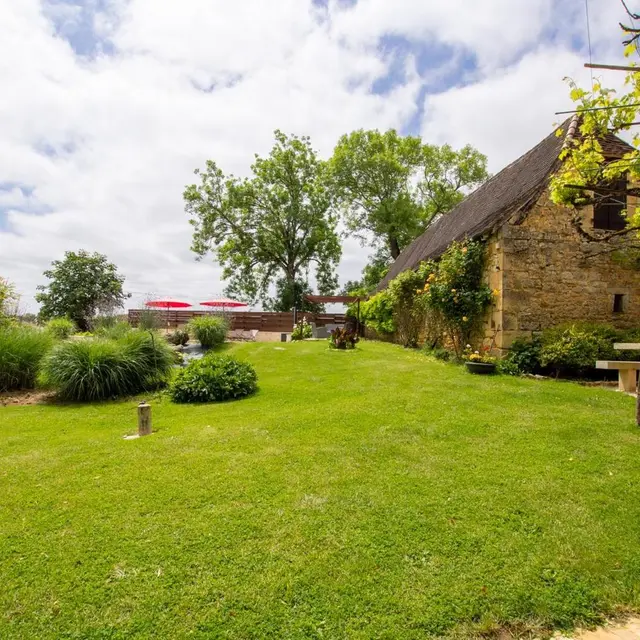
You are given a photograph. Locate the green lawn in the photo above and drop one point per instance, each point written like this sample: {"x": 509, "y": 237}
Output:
{"x": 367, "y": 494}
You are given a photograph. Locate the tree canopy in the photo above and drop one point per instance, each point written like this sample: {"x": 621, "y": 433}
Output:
{"x": 82, "y": 285}
{"x": 292, "y": 294}
{"x": 390, "y": 187}
{"x": 276, "y": 224}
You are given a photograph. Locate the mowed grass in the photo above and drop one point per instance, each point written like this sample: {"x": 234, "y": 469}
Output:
{"x": 367, "y": 494}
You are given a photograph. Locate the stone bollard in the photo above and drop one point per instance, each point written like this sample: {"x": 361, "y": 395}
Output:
{"x": 144, "y": 419}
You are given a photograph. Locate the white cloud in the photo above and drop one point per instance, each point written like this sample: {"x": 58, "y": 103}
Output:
{"x": 108, "y": 142}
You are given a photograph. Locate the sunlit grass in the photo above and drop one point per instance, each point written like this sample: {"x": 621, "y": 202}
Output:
{"x": 367, "y": 494}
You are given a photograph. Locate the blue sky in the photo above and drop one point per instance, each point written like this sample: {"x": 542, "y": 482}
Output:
{"x": 113, "y": 103}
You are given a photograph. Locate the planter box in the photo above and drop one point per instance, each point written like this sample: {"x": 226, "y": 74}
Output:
{"x": 480, "y": 367}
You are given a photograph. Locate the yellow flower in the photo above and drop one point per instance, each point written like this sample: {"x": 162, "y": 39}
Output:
{"x": 453, "y": 290}
{"x": 464, "y": 318}
{"x": 432, "y": 276}
{"x": 496, "y": 292}
{"x": 418, "y": 290}
{"x": 464, "y": 249}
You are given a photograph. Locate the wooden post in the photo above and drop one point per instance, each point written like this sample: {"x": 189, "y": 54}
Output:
{"x": 144, "y": 419}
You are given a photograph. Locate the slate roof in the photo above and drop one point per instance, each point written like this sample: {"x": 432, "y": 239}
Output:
{"x": 514, "y": 188}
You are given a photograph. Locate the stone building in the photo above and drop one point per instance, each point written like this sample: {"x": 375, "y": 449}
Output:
{"x": 546, "y": 272}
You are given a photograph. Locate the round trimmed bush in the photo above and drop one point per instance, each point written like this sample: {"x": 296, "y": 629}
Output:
{"x": 21, "y": 352}
{"x": 97, "y": 369}
{"x": 209, "y": 331}
{"x": 61, "y": 328}
{"x": 214, "y": 379}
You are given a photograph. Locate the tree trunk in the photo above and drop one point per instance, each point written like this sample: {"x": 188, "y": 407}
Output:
{"x": 393, "y": 247}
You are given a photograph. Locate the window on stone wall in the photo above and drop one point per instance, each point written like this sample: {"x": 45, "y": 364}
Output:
{"x": 619, "y": 302}
{"x": 609, "y": 205}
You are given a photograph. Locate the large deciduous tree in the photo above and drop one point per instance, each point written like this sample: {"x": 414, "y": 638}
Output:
{"x": 276, "y": 224}
{"x": 290, "y": 295}
{"x": 82, "y": 285}
{"x": 390, "y": 187}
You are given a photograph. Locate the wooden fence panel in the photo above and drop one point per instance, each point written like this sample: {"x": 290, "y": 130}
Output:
{"x": 243, "y": 320}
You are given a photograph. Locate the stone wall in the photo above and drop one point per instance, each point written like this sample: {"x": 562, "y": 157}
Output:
{"x": 545, "y": 276}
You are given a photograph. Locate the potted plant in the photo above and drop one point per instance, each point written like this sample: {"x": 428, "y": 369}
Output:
{"x": 343, "y": 338}
{"x": 479, "y": 361}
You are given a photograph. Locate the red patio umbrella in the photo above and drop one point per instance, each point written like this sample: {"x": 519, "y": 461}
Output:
{"x": 223, "y": 303}
{"x": 167, "y": 303}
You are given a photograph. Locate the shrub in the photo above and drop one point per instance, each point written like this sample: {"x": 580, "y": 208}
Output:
{"x": 576, "y": 348}
{"x": 455, "y": 291}
{"x": 209, "y": 331}
{"x": 523, "y": 357}
{"x": 179, "y": 338}
{"x": 377, "y": 313}
{"x": 21, "y": 352}
{"x": 302, "y": 330}
{"x": 60, "y": 328}
{"x": 508, "y": 368}
{"x": 214, "y": 379}
{"x": 343, "y": 339}
{"x": 97, "y": 369}
{"x": 409, "y": 309}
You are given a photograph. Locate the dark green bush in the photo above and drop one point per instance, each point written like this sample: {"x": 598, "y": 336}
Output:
{"x": 21, "y": 352}
{"x": 523, "y": 357}
{"x": 209, "y": 331}
{"x": 214, "y": 379}
{"x": 179, "y": 338}
{"x": 60, "y": 328}
{"x": 97, "y": 369}
{"x": 568, "y": 349}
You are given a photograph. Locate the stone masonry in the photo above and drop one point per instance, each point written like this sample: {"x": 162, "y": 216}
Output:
{"x": 545, "y": 276}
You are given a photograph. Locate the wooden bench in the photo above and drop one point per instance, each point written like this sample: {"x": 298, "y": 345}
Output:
{"x": 627, "y": 372}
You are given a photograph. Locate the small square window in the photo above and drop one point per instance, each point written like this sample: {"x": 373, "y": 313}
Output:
{"x": 619, "y": 302}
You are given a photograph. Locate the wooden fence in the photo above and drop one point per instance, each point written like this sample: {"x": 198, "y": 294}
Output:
{"x": 244, "y": 320}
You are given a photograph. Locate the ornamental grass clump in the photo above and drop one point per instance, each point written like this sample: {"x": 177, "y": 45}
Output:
{"x": 60, "y": 328}
{"x": 21, "y": 352}
{"x": 98, "y": 369}
{"x": 214, "y": 379}
{"x": 209, "y": 331}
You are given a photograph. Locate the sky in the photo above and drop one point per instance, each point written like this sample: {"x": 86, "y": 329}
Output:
{"x": 108, "y": 106}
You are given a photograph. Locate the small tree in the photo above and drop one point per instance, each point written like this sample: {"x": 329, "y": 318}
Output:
{"x": 82, "y": 285}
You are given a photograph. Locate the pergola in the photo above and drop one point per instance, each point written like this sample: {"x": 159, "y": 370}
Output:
{"x": 338, "y": 300}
